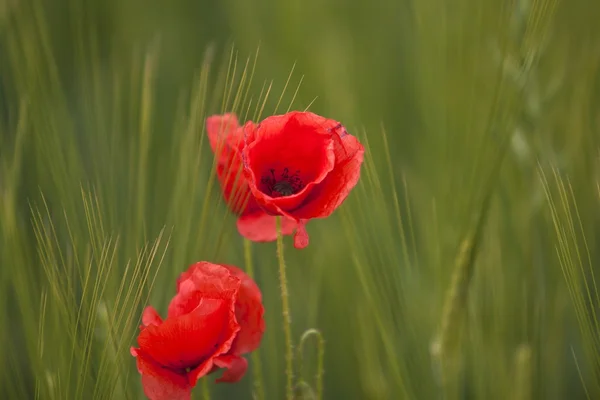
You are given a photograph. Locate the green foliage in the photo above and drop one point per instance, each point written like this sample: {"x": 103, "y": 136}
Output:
{"x": 463, "y": 265}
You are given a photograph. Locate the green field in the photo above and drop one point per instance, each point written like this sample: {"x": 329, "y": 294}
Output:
{"x": 464, "y": 265}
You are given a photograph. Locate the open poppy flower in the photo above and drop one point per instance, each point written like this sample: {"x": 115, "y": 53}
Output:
{"x": 215, "y": 317}
{"x": 226, "y": 140}
{"x": 301, "y": 166}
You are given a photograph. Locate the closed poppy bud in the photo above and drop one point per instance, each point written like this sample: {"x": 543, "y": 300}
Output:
{"x": 301, "y": 166}
{"x": 215, "y": 317}
{"x": 226, "y": 139}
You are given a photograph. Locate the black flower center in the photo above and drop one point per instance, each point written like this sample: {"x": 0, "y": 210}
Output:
{"x": 281, "y": 183}
{"x": 283, "y": 187}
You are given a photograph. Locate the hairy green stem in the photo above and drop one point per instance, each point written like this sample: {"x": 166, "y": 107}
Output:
{"x": 256, "y": 363}
{"x": 287, "y": 321}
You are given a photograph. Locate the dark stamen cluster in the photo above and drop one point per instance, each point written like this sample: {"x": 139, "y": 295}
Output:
{"x": 282, "y": 185}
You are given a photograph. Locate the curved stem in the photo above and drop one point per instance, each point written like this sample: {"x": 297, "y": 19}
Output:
{"x": 287, "y": 321}
{"x": 256, "y": 362}
{"x": 320, "y": 358}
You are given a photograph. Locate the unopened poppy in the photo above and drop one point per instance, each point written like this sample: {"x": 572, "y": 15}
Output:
{"x": 215, "y": 317}
{"x": 226, "y": 138}
{"x": 301, "y": 166}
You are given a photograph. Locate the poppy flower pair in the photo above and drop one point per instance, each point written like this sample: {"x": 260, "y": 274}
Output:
{"x": 298, "y": 166}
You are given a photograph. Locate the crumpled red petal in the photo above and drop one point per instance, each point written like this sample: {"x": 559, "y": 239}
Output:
{"x": 202, "y": 279}
{"x": 236, "y": 368}
{"x": 189, "y": 339}
{"x": 249, "y": 313}
{"x": 161, "y": 383}
{"x": 259, "y": 226}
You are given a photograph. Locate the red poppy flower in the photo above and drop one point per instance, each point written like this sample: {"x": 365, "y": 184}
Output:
{"x": 215, "y": 317}
{"x": 226, "y": 140}
{"x": 301, "y": 166}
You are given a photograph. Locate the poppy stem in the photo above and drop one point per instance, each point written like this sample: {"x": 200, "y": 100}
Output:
{"x": 256, "y": 363}
{"x": 205, "y": 389}
{"x": 287, "y": 321}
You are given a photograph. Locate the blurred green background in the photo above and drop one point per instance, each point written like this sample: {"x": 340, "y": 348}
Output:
{"x": 482, "y": 124}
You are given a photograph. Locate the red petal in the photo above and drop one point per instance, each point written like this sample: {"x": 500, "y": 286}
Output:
{"x": 202, "y": 279}
{"x": 249, "y": 313}
{"x": 228, "y": 139}
{"x": 161, "y": 383}
{"x": 301, "y": 236}
{"x": 236, "y": 192}
{"x": 236, "y": 368}
{"x": 244, "y": 135}
{"x": 190, "y": 339}
{"x": 334, "y": 189}
{"x": 150, "y": 317}
{"x": 259, "y": 226}
{"x": 219, "y": 128}
{"x": 209, "y": 365}
{"x": 294, "y": 141}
